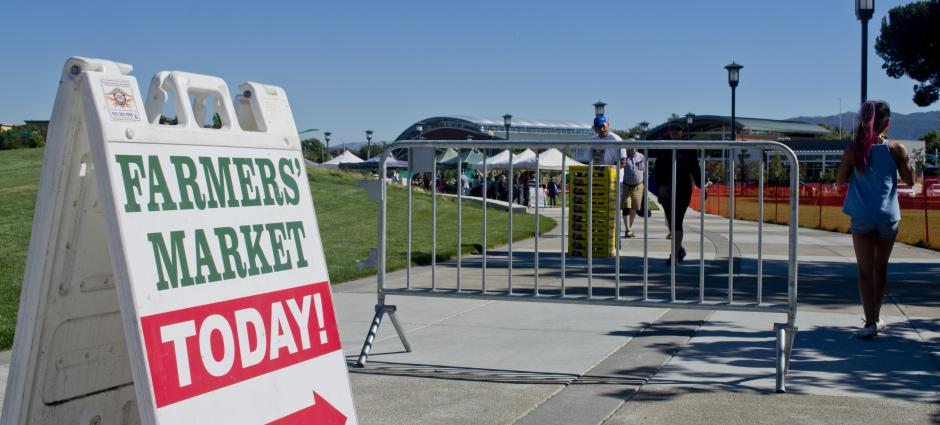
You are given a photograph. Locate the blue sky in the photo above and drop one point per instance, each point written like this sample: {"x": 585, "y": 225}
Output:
{"x": 350, "y": 66}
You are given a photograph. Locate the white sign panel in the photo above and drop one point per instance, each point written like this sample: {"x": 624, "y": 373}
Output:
{"x": 215, "y": 260}
{"x": 228, "y": 280}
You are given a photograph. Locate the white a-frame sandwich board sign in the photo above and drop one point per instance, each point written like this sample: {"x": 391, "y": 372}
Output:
{"x": 176, "y": 273}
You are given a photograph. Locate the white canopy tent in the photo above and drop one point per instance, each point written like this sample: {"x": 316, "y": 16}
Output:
{"x": 346, "y": 157}
{"x": 500, "y": 161}
{"x": 548, "y": 160}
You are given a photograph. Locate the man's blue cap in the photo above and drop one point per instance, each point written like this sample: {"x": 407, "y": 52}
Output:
{"x": 600, "y": 120}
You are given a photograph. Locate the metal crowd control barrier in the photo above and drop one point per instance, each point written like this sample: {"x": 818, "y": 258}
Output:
{"x": 562, "y": 293}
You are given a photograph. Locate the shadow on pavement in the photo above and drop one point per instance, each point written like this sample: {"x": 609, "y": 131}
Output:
{"x": 892, "y": 365}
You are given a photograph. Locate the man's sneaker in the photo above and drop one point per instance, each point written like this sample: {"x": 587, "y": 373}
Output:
{"x": 630, "y": 235}
{"x": 881, "y": 325}
{"x": 681, "y": 257}
{"x": 867, "y": 331}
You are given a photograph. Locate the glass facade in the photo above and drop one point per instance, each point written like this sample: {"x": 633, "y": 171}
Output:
{"x": 497, "y": 131}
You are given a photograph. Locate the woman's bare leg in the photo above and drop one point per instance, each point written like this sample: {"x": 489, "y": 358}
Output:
{"x": 865, "y": 257}
{"x": 883, "y": 247}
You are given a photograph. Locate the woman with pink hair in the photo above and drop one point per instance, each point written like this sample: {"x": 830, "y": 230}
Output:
{"x": 870, "y": 164}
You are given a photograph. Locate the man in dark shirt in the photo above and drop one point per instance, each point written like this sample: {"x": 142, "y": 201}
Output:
{"x": 687, "y": 172}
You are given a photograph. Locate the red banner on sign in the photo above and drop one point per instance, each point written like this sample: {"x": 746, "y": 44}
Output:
{"x": 201, "y": 349}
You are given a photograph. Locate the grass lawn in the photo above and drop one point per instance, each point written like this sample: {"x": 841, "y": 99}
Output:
{"x": 348, "y": 225}
{"x": 19, "y": 181}
{"x": 347, "y": 222}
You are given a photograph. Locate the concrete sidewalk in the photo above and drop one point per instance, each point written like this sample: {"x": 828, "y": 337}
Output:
{"x": 500, "y": 362}
{"x": 482, "y": 361}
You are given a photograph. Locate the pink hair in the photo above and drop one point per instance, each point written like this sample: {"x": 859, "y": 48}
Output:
{"x": 865, "y": 135}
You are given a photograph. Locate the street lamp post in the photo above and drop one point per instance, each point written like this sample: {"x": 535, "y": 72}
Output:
{"x": 644, "y": 127}
{"x": 326, "y": 137}
{"x": 599, "y": 108}
{"x": 507, "y": 122}
{"x": 689, "y": 119}
{"x": 368, "y": 144}
{"x": 734, "y": 71}
{"x": 864, "y": 10}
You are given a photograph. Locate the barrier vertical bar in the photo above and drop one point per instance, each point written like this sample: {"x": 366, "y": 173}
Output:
{"x": 512, "y": 185}
{"x": 383, "y": 219}
{"x": 564, "y": 199}
{"x": 538, "y": 192}
{"x": 701, "y": 230}
{"x": 459, "y": 187}
{"x": 673, "y": 254}
{"x": 646, "y": 223}
{"x": 819, "y": 203}
{"x": 794, "y": 235}
{"x": 760, "y": 229}
{"x": 619, "y": 214}
{"x": 590, "y": 223}
{"x": 483, "y": 188}
{"x": 411, "y": 181}
{"x": 923, "y": 188}
{"x": 434, "y": 223}
{"x": 731, "y": 228}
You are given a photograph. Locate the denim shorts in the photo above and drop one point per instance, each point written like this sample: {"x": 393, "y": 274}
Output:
{"x": 885, "y": 230}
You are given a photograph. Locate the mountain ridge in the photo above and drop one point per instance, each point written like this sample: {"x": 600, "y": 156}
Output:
{"x": 903, "y": 126}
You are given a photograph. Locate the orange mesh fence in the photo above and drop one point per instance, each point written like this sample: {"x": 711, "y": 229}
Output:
{"x": 821, "y": 207}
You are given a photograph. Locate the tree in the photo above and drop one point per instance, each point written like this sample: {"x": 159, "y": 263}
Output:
{"x": 775, "y": 170}
{"x": 311, "y": 148}
{"x": 368, "y": 151}
{"x": 932, "y": 139}
{"x": 910, "y": 45}
{"x": 715, "y": 171}
{"x": 835, "y": 133}
{"x": 23, "y": 136}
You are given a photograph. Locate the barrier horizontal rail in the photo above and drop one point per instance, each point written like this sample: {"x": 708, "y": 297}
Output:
{"x": 680, "y": 294}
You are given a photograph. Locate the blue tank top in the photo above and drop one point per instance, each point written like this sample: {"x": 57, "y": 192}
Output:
{"x": 873, "y": 195}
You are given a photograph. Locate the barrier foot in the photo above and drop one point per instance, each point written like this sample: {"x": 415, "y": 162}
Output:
{"x": 784, "y": 349}
{"x": 390, "y": 309}
{"x": 381, "y": 310}
{"x": 791, "y": 336}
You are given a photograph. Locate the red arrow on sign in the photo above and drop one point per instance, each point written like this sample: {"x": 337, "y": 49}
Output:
{"x": 321, "y": 412}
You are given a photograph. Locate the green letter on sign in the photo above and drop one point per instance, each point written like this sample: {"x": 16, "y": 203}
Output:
{"x": 173, "y": 264}
{"x": 131, "y": 180}
{"x": 158, "y": 185}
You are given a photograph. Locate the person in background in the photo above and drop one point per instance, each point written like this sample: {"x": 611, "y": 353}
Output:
{"x": 610, "y": 156}
{"x": 687, "y": 172}
{"x": 552, "y": 192}
{"x": 631, "y": 179}
{"x": 464, "y": 183}
{"x": 502, "y": 188}
{"x": 870, "y": 165}
{"x": 524, "y": 183}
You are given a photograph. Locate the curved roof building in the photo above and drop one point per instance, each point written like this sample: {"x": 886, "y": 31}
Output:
{"x": 718, "y": 127}
{"x": 458, "y": 127}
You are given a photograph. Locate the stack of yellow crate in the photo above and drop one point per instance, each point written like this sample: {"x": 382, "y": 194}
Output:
{"x": 603, "y": 211}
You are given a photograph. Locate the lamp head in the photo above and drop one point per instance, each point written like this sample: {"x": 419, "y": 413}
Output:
{"x": 734, "y": 74}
